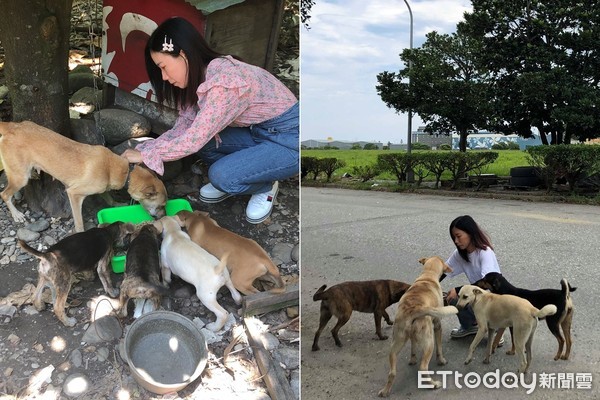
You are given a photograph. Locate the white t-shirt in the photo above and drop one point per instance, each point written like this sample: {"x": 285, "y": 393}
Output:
{"x": 481, "y": 262}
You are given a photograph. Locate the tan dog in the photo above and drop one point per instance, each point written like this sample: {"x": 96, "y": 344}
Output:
{"x": 83, "y": 169}
{"x": 366, "y": 296}
{"x": 195, "y": 265}
{"x": 247, "y": 261}
{"x": 81, "y": 252}
{"x": 496, "y": 311}
{"x": 417, "y": 320}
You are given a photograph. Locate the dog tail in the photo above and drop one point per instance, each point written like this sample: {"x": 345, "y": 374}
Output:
{"x": 319, "y": 294}
{"x": 549, "y": 309}
{"x": 436, "y": 312}
{"x": 566, "y": 288}
{"x": 274, "y": 276}
{"x": 34, "y": 252}
{"x": 222, "y": 264}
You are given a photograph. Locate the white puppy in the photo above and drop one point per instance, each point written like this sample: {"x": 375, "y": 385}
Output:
{"x": 195, "y": 265}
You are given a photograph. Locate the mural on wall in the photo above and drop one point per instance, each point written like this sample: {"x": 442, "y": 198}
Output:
{"x": 487, "y": 140}
{"x": 127, "y": 26}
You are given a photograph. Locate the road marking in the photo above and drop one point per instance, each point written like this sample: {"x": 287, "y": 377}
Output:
{"x": 555, "y": 219}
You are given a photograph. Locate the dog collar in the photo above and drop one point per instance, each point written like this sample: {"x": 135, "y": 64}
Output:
{"x": 131, "y": 167}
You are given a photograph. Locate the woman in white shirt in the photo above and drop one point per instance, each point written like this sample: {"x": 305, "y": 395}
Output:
{"x": 474, "y": 256}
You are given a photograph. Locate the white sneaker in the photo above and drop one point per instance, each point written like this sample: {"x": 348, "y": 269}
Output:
{"x": 260, "y": 205}
{"x": 210, "y": 194}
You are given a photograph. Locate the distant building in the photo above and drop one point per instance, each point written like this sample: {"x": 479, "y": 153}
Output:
{"x": 483, "y": 140}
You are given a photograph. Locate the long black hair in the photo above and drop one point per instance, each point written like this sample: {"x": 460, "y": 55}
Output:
{"x": 184, "y": 37}
{"x": 479, "y": 238}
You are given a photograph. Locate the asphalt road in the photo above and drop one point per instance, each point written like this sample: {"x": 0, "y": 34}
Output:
{"x": 358, "y": 235}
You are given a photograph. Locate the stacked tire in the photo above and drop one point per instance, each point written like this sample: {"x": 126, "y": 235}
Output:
{"x": 525, "y": 176}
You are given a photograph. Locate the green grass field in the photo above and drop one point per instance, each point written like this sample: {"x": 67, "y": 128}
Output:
{"x": 501, "y": 167}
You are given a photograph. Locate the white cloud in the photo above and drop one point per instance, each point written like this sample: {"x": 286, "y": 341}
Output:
{"x": 348, "y": 44}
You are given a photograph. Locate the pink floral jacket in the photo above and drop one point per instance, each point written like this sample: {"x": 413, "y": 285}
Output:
{"x": 234, "y": 94}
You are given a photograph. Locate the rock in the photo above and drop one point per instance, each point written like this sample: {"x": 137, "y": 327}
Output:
{"x": 102, "y": 354}
{"x": 104, "y": 329}
{"x": 288, "y": 356}
{"x": 79, "y": 80}
{"x": 84, "y": 131}
{"x": 292, "y": 312}
{"x": 7, "y": 310}
{"x": 296, "y": 253}
{"x": 87, "y": 95}
{"x": 117, "y": 126}
{"x": 76, "y": 358}
{"x": 76, "y": 385}
{"x": 295, "y": 382}
{"x": 38, "y": 226}
{"x": 282, "y": 253}
{"x": 26, "y": 235}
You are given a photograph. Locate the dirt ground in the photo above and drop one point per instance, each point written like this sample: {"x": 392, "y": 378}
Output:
{"x": 34, "y": 343}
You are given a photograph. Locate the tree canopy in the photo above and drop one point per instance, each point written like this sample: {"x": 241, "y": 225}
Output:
{"x": 510, "y": 67}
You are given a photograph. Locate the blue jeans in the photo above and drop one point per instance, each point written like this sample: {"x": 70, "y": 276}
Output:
{"x": 249, "y": 160}
{"x": 465, "y": 315}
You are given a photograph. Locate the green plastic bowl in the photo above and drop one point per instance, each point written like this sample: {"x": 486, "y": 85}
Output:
{"x": 135, "y": 214}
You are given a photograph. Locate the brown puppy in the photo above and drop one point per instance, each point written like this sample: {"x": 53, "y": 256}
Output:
{"x": 81, "y": 252}
{"x": 367, "y": 296}
{"x": 247, "y": 261}
{"x": 83, "y": 169}
{"x": 417, "y": 320}
{"x": 142, "y": 269}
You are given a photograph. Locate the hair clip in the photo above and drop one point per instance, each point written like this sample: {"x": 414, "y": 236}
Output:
{"x": 168, "y": 46}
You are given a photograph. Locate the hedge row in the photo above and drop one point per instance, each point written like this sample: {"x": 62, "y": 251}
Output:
{"x": 423, "y": 164}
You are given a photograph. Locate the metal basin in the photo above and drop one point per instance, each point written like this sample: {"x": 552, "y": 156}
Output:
{"x": 165, "y": 351}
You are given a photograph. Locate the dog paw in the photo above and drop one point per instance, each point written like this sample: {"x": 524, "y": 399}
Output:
{"x": 316, "y": 348}
{"x": 486, "y": 360}
{"x": 442, "y": 361}
{"x": 436, "y": 384}
{"x": 383, "y": 337}
{"x": 468, "y": 360}
{"x": 510, "y": 352}
{"x": 383, "y": 393}
{"x": 413, "y": 360}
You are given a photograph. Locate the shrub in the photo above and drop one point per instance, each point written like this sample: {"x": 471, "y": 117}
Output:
{"x": 445, "y": 146}
{"x": 572, "y": 162}
{"x": 309, "y": 165}
{"x": 396, "y": 163}
{"x": 329, "y": 165}
{"x": 366, "y": 172}
{"x": 419, "y": 146}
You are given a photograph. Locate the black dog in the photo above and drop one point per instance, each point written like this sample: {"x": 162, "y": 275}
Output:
{"x": 142, "y": 269}
{"x": 81, "y": 252}
{"x": 495, "y": 282}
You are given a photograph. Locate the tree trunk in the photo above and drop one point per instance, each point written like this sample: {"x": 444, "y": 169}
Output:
{"x": 462, "y": 143}
{"x": 543, "y": 137}
{"x": 35, "y": 37}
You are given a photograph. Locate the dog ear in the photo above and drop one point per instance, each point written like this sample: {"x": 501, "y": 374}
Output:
{"x": 447, "y": 268}
{"x": 477, "y": 291}
{"x": 158, "y": 225}
{"x": 423, "y": 260}
{"x": 203, "y": 213}
{"x": 180, "y": 221}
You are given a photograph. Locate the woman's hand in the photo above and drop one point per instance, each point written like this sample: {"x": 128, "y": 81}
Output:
{"x": 133, "y": 156}
{"x": 452, "y": 296}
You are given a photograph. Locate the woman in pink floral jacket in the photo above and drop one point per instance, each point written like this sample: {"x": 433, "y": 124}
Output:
{"x": 241, "y": 120}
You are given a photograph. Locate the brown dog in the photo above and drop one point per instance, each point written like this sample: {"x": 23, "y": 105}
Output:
{"x": 83, "y": 169}
{"x": 142, "y": 269}
{"x": 367, "y": 296}
{"x": 81, "y": 252}
{"x": 247, "y": 261}
{"x": 417, "y": 320}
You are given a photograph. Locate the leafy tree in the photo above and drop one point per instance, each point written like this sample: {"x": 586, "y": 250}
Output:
{"x": 305, "y": 8}
{"x": 445, "y": 89}
{"x": 370, "y": 146}
{"x": 542, "y": 60}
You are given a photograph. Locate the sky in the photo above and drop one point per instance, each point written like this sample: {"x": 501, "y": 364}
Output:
{"x": 349, "y": 42}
